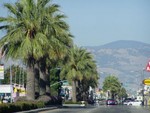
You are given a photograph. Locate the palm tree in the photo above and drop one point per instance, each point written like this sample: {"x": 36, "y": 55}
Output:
{"x": 30, "y": 32}
{"x": 57, "y": 31}
{"x": 24, "y": 38}
{"x": 78, "y": 66}
{"x": 89, "y": 73}
{"x": 112, "y": 84}
{"x": 90, "y": 76}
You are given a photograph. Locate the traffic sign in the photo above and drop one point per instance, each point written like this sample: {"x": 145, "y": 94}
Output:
{"x": 146, "y": 82}
{"x": 148, "y": 67}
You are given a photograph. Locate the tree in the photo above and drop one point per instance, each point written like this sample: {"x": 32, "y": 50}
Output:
{"x": 55, "y": 81}
{"x": 122, "y": 93}
{"x": 112, "y": 84}
{"x": 57, "y": 31}
{"x": 90, "y": 77}
{"x": 78, "y": 66}
{"x": 32, "y": 27}
{"x": 24, "y": 37}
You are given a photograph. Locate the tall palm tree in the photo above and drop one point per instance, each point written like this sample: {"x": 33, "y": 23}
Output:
{"x": 57, "y": 31}
{"x": 90, "y": 76}
{"x": 24, "y": 38}
{"x": 30, "y": 32}
{"x": 78, "y": 66}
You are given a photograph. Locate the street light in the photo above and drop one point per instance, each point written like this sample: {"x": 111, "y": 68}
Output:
{"x": 61, "y": 81}
{"x": 143, "y": 87}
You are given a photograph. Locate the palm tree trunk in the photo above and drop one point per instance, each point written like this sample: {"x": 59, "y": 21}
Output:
{"x": 43, "y": 77}
{"x": 37, "y": 82}
{"x": 47, "y": 82}
{"x": 74, "y": 99}
{"x": 42, "y": 83}
{"x": 30, "y": 83}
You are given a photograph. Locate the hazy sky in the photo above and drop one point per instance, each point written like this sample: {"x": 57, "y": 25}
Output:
{"x": 97, "y": 22}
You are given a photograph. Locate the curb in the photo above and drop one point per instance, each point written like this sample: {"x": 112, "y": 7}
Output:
{"x": 73, "y": 105}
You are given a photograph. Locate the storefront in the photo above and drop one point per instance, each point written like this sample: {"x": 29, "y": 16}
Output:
{"x": 5, "y": 93}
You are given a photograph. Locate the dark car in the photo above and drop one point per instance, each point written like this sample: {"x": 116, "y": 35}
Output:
{"x": 111, "y": 102}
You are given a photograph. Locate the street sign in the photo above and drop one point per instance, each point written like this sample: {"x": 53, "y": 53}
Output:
{"x": 146, "y": 81}
{"x": 1, "y": 71}
{"x": 148, "y": 67}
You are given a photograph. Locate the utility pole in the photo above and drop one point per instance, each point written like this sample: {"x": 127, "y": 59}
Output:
{"x": 11, "y": 88}
{"x": 143, "y": 87}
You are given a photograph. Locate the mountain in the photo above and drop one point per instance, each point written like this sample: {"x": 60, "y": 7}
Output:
{"x": 124, "y": 59}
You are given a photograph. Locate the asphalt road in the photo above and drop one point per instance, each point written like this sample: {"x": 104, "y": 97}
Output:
{"x": 101, "y": 109}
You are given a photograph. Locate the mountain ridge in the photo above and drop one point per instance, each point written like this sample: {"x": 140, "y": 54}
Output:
{"x": 122, "y": 58}
{"x": 122, "y": 44}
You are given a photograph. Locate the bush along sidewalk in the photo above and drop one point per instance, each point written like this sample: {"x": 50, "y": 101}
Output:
{"x": 20, "y": 106}
{"x": 25, "y": 105}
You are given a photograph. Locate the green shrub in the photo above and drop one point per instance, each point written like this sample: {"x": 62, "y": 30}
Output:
{"x": 40, "y": 104}
{"x": 15, "y": 107}
{"x": 4, "y": 108}
{"x": 20, "y": 106}
{"x": 25, "y": 106}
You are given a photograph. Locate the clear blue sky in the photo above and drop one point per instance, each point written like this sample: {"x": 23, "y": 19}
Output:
{"x": 97, "y": 22}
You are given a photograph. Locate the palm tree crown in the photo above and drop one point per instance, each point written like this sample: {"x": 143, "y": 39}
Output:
{"x": 35, "y": 30}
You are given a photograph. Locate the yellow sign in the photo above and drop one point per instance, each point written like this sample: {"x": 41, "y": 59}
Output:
{"x": 146, "y": 81}
{"x": 1, "y": 71}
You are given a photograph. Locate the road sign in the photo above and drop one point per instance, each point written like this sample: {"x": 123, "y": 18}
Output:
{"x": 148, "y": 67}
{"x": 146, "y": 81}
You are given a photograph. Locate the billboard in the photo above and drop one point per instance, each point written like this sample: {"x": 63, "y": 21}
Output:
{"x": 5, "y": 88}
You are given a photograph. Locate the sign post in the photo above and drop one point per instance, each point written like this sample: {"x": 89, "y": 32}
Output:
{"x": 146, "y": 81}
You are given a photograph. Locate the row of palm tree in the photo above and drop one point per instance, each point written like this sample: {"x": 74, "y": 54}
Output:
{"x": 37, "y": 34}
{"x": 80, "y": 66}
{"x": 112, "y": 84}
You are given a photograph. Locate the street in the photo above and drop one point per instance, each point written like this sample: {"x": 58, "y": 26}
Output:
{"x": 102, "y": 109}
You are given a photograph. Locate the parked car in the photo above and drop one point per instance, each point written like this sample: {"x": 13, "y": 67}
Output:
{"x": 135, "y": 103}
{"x": 5, "y": 101}
{"x": 111, "y": 102}
{"x": 125, "y": 102}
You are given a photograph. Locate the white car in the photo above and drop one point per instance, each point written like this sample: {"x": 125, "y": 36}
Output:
{"x": 135, "y": 103}
{"x": 126, "y": 102}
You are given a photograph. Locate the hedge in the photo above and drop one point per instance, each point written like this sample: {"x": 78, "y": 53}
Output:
{"x": 20, "y": 106}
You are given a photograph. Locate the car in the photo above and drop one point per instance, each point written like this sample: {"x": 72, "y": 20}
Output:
{"x": 125, "y": 102}
{"x": 111, "y": 102}
{"x": 5, "y": 101}
{"x": 135, "y": 103}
